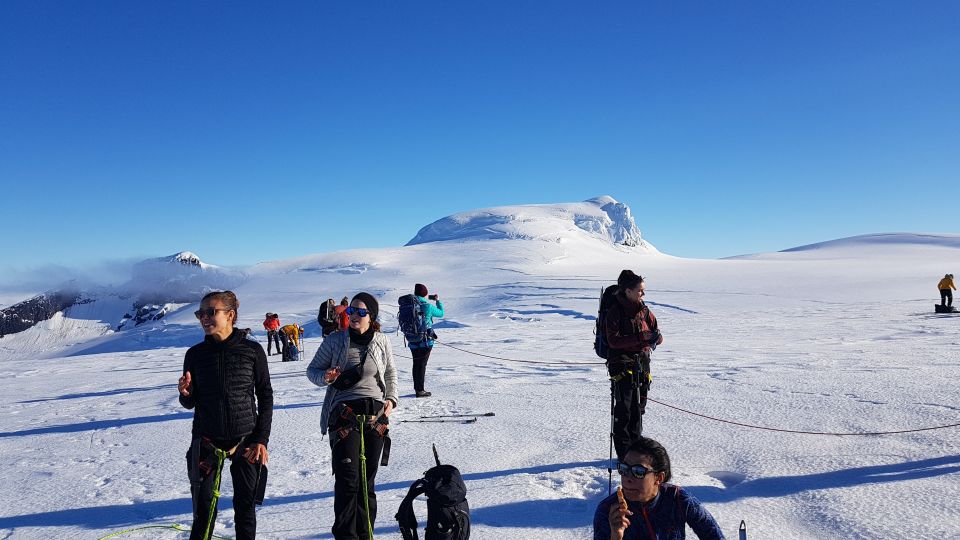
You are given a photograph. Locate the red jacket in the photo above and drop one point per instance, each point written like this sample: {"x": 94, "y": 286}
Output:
{"x": 630, "y": 327}
{"x": 271, "y": 323}
{"x": 342, "y": 318}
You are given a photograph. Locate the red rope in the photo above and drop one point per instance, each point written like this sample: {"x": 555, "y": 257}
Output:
{"x": 708, "y": 417}
{"x": 800, "y": 431}
{"x": 558, "y": 363}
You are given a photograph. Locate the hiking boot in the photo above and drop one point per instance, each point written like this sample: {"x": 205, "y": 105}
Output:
{"x": 423, "y": 393}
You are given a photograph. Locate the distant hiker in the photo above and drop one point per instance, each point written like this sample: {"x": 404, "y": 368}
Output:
{"x": 272, "y": 325}
{"x": 416, "y": 322}
{"x": 226, "y": 380}
{"x": 652, "y": 508}
{"x": 946, "y": 295}
{"x": 632, "y": 334}
{"x": 246, "y": 333}
{"x": 327, "y": 317}
{"x": 290, "y": 335}
{"x": 343, "y": 320}
{"x": 293, "y": 333}
{"x": 356, "y": 367}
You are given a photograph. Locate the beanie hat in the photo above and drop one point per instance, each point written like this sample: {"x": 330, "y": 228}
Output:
{"x": 628, "y": 280}
{"x": 420, "y": 289}
{"x": 372, "y": 305}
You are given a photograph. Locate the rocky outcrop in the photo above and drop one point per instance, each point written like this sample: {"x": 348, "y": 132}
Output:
{"x": 23, "y": 315}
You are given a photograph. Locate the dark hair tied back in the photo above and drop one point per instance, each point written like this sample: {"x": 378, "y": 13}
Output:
{"x": 628, "y": 280}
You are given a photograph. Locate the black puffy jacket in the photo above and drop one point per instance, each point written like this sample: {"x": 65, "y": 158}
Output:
{"x": 230, "y": 389}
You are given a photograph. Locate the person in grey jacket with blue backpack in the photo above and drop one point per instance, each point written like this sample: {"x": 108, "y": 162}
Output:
{"x": 356, "y": 367}
{"x": 421, "y": 350}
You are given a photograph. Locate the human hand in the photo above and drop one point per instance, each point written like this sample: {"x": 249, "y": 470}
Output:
{"x": 184, "y": 384}
{"x": 331, "y": 375}
{"x": 388, "y": 408}
{"x": 648, "y": 351}
{"x": 256, "y": 453}
{"x": 618, "y": 520}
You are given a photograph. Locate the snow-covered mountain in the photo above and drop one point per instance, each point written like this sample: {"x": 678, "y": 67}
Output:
{"x": 601, "y": 218}
{"x": 154, "y": 286}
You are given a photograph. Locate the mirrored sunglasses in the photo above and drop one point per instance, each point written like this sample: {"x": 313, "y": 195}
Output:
{"x": 358, "y": 310}
{"x": 638, "y": 471}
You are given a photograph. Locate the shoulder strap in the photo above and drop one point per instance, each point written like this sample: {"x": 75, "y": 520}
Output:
{"x": 405, "y": 516}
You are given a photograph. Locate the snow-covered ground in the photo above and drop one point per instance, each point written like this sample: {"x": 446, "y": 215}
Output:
{"x": 837, "y": 339}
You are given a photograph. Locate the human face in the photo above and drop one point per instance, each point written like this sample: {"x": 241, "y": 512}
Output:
{"x": 358, "y": 323}
{"x": 220, "y": 325}
{"x": 636, "y": 294}
{"x": 643, "y": 489}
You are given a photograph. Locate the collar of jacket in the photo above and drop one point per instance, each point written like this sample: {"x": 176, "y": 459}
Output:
{"x": 632, "y": 308}
{"x": 232, "y": 339}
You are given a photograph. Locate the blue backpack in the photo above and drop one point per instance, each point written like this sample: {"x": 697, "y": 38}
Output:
{"x": 412, "y": 319}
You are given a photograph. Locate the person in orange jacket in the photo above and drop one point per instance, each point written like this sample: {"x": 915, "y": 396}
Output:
{"x": 343, "y": 320}
{"x": 272, "y": 325}
{"x": 946, "y": 295}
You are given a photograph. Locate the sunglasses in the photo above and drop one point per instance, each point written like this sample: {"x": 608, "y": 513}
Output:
{"x": 208, "y": 312}
{"x": 638, "y": 471}
{"x": 358, "y": 310}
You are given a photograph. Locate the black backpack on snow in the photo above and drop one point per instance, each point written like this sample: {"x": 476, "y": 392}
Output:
{"x": 600, "y": 345}
{"x": 448, "y": 514}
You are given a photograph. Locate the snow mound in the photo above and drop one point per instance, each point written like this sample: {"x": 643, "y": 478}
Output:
{"x": 884, "y": 240}
{"x": 601, "y": 218}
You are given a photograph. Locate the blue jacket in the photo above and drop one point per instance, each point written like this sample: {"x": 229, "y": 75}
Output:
{"x": 666, "y": 515}
{"x": 429, "y": 312}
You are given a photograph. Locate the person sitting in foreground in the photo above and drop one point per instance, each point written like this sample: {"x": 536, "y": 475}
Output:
{"x": 652, "y": 509}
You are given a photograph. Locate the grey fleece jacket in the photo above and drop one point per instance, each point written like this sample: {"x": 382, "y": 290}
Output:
{"x": 333, "y": 352}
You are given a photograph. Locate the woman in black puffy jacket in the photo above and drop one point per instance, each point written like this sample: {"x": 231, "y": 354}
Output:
{"x": 227, "y": 383}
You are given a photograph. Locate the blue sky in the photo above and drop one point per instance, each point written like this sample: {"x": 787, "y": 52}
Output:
{"x": 247, "y": 131}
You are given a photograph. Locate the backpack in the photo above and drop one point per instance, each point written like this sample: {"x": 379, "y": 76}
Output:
{"x": 412, "y": 319}
{"x": 328, "y": 314}
{"x": 448, "y": 514}
{"x": 600, "y": 345}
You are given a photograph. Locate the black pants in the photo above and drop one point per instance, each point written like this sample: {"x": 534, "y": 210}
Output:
{"x": 630, "y": 401}
{"x": 420, "y": 358}
{"x": 273, "y": 335}
{"x": 245, "y": 476}
{"x": 350, "y": 521}
{"x": 946, "y": 297}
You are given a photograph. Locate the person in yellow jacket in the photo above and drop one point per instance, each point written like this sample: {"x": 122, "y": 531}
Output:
{"x": 293, "y": 332}
{"x": 946, "y": 295}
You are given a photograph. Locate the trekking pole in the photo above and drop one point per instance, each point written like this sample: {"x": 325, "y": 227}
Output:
{"x": 436, "y": 456}
{"x": 610, "y": 458}
{"x": 743, "y": 530}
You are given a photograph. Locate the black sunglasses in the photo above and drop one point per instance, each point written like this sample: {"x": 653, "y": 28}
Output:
{"x": 358, "y": 310}
{"x": 638, "y": 471}
{"x": 208, "y": 312}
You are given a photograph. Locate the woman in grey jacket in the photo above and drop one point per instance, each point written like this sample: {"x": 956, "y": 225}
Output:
{"x": 356, "y": 367}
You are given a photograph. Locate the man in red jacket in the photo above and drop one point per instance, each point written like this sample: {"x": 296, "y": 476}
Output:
{"x": 272, "y": 325}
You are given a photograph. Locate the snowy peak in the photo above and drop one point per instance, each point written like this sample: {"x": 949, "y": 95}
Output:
{"x": 601, "y": 218}
{"x": 184, "y": 258}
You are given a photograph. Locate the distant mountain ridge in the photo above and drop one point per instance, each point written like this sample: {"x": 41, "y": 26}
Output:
{"x": 154, "y": 285}
{"x": 601, "y": 218}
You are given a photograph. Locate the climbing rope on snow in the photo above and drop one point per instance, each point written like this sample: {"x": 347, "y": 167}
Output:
{"x": 172, "y": 526}
{"x": 555, "y": 363}
{"x": 765, "y": 428}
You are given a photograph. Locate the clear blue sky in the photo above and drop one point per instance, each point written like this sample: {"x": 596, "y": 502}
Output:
{"x": 250, "y": 131}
